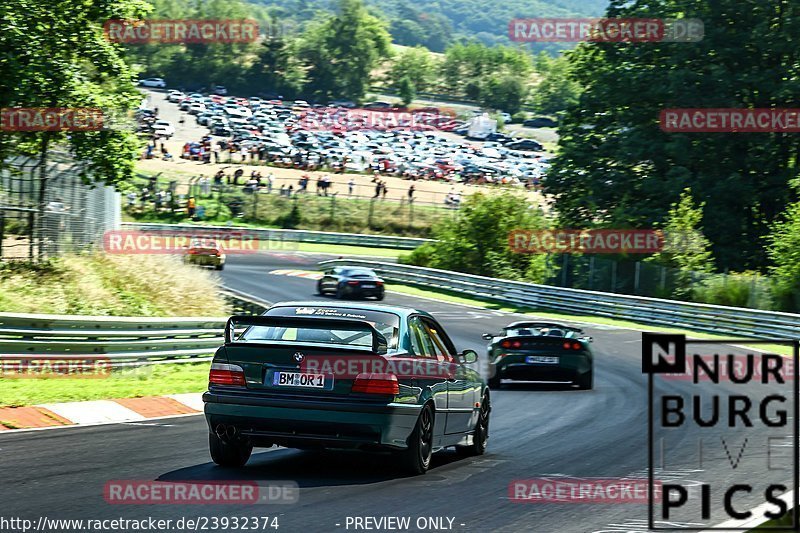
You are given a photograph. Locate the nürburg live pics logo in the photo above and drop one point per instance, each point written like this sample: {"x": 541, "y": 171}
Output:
{"x": 725, "y": 411}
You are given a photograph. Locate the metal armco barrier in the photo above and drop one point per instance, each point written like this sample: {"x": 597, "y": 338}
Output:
{"x": 275, "y": 238}
{"x": 121, "y": 339}
{"x": 699, "y": 317}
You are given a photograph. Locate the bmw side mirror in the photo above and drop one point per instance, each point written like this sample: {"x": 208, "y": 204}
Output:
{"x": 468, "y": 357}
{"x": 488, "y": 336}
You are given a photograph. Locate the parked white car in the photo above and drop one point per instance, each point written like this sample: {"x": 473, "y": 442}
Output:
{"x": 153, "y": 82}
{"x": 163, "y": 127}
{"x": 175, "y": 96}
{"x": 238, "y": 111}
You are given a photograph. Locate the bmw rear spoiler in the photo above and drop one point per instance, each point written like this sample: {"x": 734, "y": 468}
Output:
{"x": 379, "y": 342}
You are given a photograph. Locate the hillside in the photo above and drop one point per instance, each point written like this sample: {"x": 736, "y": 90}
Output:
{"x": 436, "y": 23}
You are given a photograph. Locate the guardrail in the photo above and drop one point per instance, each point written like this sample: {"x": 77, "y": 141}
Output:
{"x": 699, "y": 317}
{"x": 275, "y": 238}
{"x": 120, "y": 339}
{"x": 124, "y": 341}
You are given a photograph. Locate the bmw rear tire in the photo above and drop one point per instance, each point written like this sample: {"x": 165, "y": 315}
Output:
{"x": 417, "y": 458}
{"x": 232, "y": 454}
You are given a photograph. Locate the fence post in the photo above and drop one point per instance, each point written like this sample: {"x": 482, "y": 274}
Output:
{"x": 636, "y": 278}
{"x": 369, "y": 216}
{"x": 613, "y": 276}
{"x": 663, "y": 278}
{"x": 2, "y": 232}
{"x": 255, "y": 205}
{"x": 591, "y": 272}
{"x": 564, "y": 266}
{"x": 30, "y": 235}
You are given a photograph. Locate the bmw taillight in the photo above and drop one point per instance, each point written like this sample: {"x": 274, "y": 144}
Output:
{"x": 225, "y": 374}
{"x": 352, "y": 283}
{"x": 376, "y": 383}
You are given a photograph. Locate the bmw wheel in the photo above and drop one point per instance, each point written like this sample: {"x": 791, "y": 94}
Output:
{"x": 480, "y": 438}
{"x": 417, "y": 458}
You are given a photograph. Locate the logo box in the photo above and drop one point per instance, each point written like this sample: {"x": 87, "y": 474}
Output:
{"x": 51, "y": 119}
{"x": 735, "y": 425}
{"x": 181, "y": 31}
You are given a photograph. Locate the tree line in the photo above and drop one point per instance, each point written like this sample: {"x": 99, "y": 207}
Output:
{"x": 340, "y": 54}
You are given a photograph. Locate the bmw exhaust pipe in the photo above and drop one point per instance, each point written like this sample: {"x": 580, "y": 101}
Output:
{"x": 226, "y": 433}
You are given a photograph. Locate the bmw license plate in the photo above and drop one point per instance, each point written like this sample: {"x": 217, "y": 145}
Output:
{"x": 367, "y": 285}
{"x": 542, "y": 359}
{"x": 299, "y": 379}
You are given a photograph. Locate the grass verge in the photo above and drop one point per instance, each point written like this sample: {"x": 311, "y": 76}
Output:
{"x": 309, "y": 212}
{"x": 111, "y": 285}
{"x": 340, "y": 249}
{"x": 152, "y": 380}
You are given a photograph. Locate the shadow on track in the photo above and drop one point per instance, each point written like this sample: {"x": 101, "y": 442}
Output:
{"x": 310, "y": 468}
{"x": 539, "y": 387}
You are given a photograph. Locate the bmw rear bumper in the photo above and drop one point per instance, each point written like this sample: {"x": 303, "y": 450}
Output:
{"x": 306, "y": 423}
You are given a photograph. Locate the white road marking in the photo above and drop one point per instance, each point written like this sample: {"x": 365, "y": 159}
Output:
{"x": 192, "y": 400}
{"x": 93, "y": 412}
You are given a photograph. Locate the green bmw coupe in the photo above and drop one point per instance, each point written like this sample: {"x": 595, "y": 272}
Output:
{"x": 366, "y": 377}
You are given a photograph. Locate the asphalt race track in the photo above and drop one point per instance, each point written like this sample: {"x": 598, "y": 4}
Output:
{"x": 535, "y": 431}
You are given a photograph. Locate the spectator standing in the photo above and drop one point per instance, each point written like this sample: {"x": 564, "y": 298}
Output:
{"x": 350, "y": 186}
{"x": 411, "y": 193}
{"x": 269, "y": 183}
{"x": 190, "y": 206}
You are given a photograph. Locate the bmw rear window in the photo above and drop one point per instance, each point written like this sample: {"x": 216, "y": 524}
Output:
{"x": 388, "y": 324}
